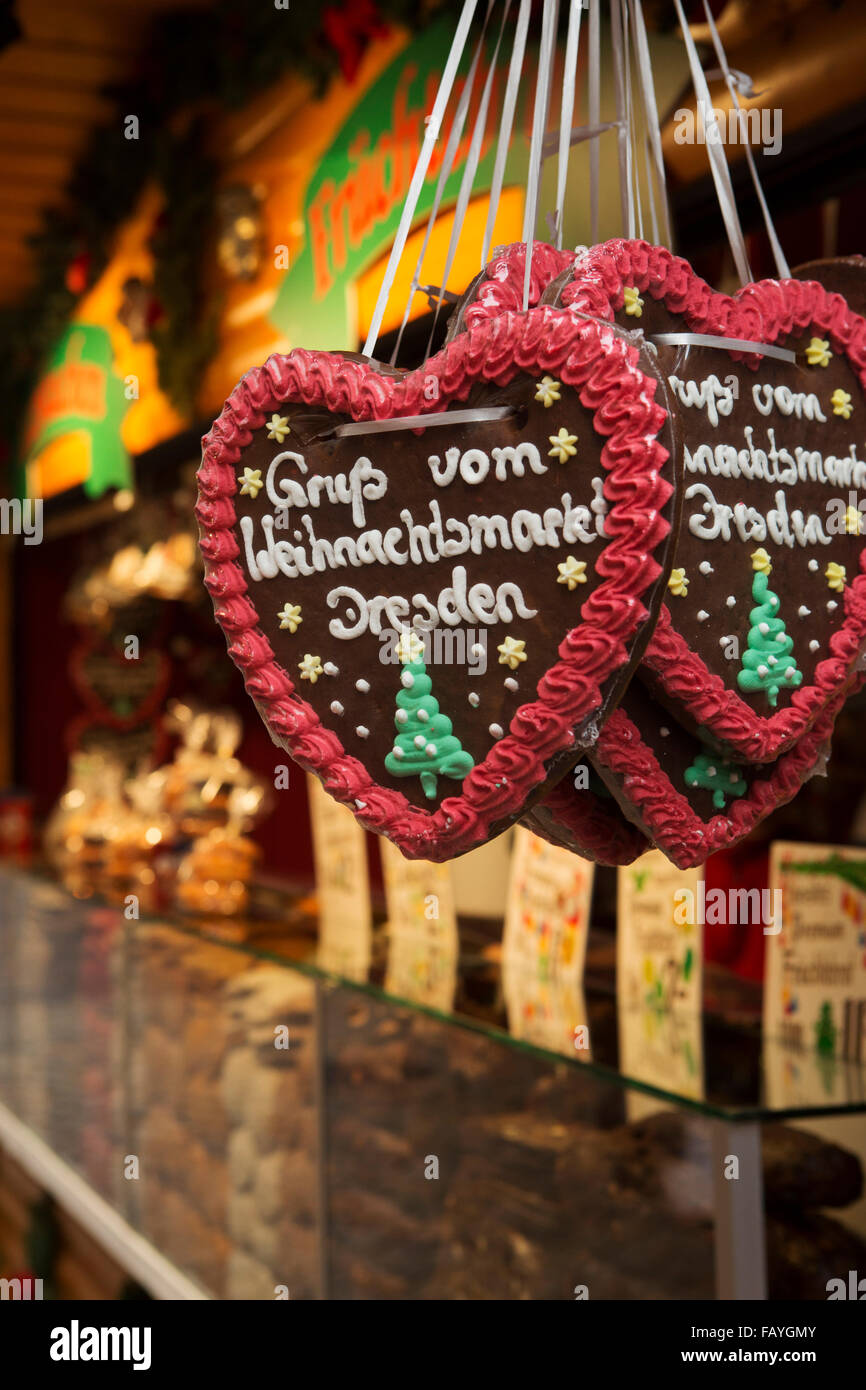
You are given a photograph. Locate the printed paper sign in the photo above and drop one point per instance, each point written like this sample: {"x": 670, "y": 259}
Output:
{"x": 422, "y": 929}
{"x": 659, "y": 978}
{"x": 815, "y": 970}
{"x": 342, "y": 886}
{"x": 544, "y": 945}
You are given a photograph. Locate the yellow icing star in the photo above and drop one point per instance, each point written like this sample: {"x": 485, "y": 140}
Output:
{"x": 572, "y": 572}
{"x": 679, "y": 583}
{"x": 547, "y": 391}
{"x": 310, "y": 668}
{"x": 632, "y": 302}
{"x": 761, "y": 561}
{"x": 290, "y": 616}
{"x": 251, "y": 482}
{"x": 410, "y": 647}
{"x": 512, "y": 652}
{"x": 564, "y": 446}
{"x": 853, "y": 521}
{"x": 841, "y": 403}
{"x": 818, "y": 352}
{"x": 278, "y": 427}
{"x": 835, "y": 576}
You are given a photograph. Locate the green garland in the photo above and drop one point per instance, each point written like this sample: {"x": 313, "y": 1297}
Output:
{"x": 201, "y": 62}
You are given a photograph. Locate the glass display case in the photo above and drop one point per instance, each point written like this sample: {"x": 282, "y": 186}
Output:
{"x": 233, "y": 1121}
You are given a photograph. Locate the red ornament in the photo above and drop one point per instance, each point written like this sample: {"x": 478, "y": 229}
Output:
{"x": 348, "y": 29}
{"x": 78, "y": 273}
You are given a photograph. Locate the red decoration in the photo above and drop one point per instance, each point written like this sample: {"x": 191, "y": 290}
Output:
{"x": 348, "y": 29}
{"x": 78, "y": 273}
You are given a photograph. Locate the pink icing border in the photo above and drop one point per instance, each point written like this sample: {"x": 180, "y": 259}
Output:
{"x": 763, "y": 312}
{"x": 597, "y": 832}
{"x": 667, "y": 812}
{"x": 500, "y": 285}
{"x": 603, "y": 368}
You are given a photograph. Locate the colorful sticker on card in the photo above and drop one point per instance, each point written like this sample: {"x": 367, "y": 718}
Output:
{"x": 544, "y": 945}
{"x": 422, "y": 929}
{"x": 659, "y": 978}
{"x": 815, "y": 965}
{"x": 342, "y": 886}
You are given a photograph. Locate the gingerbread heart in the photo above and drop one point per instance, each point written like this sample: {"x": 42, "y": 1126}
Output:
{"x": 580, "y": 814}
{"x": 687, "y": 799}
{"x": 766, "y": 610}
{"x": 436, "y": 618}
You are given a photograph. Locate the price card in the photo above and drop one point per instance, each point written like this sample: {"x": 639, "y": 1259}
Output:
{"x": 422, "y": 929}
{"x": 659, "y": 978}
{"x": 815, "y": 966}
{"x": 544, "y": 945}
{"x": 342, "y": 886}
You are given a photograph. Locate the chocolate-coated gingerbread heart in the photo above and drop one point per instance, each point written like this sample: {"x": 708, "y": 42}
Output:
{"x": 437, "y": 619}
{"x": 766, "y": 610}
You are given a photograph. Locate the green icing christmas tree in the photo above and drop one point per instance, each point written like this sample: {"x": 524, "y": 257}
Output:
{"x": 425, "y": 745}
{"x": 715, "y": 775}
{"x": 825, "y": 1031}
{"x": 767, "y": 663}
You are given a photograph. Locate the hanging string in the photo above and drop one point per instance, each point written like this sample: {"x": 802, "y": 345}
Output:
{"x": 654, "y": 139}
{"x": 539, "y": 121}
{"x": 716, "y": 154}
{"x": 631, "y": 123}
{"x": 782, "y": 268}
{"x": 515, "y": 71}
{"x": 469, "y": 172}
{"x": 434, "y": 123}
{"x": 625, "y": 190}
{"x": 454, "y": 137}
{"x": 594, "y": 108}
{"x": 569, "y": 80}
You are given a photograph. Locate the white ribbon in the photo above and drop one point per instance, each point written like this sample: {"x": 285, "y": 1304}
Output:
{"x": 731, "y": 76}
{"x": 434, "y": 121}
{"x": 594, "y": 103}
{"x": 716, "y": 154}
{"x": 420, "y": 422}
{"x": 654, "y": 139}
{"x": 569, "y": 80}
{"x": 729, "y": 344}
{"x": 515, "y": 70}
{"x": 539, "y": 121}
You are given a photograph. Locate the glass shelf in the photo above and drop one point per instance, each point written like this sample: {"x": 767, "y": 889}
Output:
{"x": 148, "y": 1055}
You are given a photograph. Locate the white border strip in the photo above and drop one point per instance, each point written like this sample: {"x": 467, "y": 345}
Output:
{"x": 130, "y": 1249}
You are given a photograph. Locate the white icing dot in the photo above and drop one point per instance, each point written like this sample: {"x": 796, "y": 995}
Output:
{"x": 430, "y": 750}
{"x": 350, "y": 612}
{"x": 496, "y": 730}
{"x": 789, "y": 671}
{"x": 803, "y": 611}
{"x": 362, "y": 731}
{"x": 401, "y": 716}
{"x": 361, "y": 805}
{"x": 330, "y": 669}
{"x": 705, "y": 567}
{"x": 813, "y": 645}
{"x": 477, "y": 649}
{"x": 473, "y": 699}
{"x": 763, "y": 671}
{"x": 398, "y": 752}
{"x": 420, "y": 740}
{"x": 362, "y": 685}
{"x": 763, "y": 628}
{"x": 730, "y": 601}
{"x": 336, "y": 707}
{"x": 423, "y": 716}
{"x": 407, "y": 679}
{"x": 771, "y": 660}
{"x": 511, "y": 683}
{"x": 703, "y": 615}
{"x": 299, "y": 536}
{"x": 832, "y": 606}
{"x": 774, "y": 602}
{"x": 780, "y": 636}
{"x": 665, "y": 733}
{"x": 723, "y": 641}
{"x": 711, "y": 772}
{"x": 813, "y": 565}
